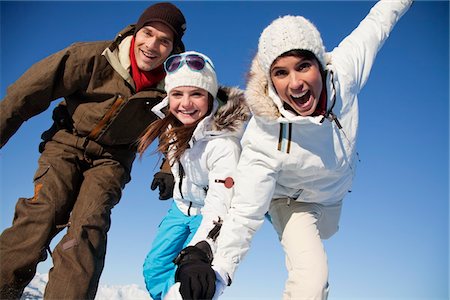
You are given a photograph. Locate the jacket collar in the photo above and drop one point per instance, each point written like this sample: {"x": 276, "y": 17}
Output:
{"x": 118, "y": 54}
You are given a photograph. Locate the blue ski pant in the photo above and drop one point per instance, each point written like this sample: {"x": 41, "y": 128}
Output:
{"x": 174, "y": 233}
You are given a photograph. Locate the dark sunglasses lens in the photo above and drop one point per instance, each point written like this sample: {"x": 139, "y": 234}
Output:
{"x": 195, "y": 62}
{"x": 173, "y": 63}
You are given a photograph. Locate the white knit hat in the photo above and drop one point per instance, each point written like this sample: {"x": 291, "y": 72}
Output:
{"x": 184, "y": 76}
{"x": 289, "y": 33}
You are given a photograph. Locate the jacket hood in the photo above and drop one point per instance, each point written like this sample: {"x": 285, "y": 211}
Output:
{"x": 233, "y": 111}
{"x": 257, "y": 94}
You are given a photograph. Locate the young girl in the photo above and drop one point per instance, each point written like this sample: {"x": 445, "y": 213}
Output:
{"x": 200, "y": 137}
{"x": 298, "y": 151}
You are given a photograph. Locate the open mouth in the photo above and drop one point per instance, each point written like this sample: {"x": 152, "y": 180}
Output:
{"x": 148, "y": 55}
{"x": 188, "y": 112}
{"x": 301, "y": 99}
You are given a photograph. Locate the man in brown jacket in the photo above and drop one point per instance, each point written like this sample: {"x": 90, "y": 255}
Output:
{"x": 109, "y": 89}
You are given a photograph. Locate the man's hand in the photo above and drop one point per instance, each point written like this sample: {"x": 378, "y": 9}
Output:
{"x": 165, "y": 182}
{"x": 195, "y": 274}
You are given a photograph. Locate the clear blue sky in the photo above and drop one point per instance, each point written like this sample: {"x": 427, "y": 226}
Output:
{"x": 393, "y": 241}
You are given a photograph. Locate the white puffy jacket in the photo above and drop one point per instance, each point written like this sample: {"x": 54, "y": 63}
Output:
{"x": 308, "y": 159}
{"x": 211, "y": 157}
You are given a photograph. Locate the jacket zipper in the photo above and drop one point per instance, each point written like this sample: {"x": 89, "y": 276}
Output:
{"x": 181, "y": 174}
{"x": 180, "y": 185}
{"x": 332, "y": 117}
{"x": 101, "y": 125}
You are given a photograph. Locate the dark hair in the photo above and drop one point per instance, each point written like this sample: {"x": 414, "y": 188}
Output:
{"x": 172, "y": 134}
{"x": 306, "y": 54}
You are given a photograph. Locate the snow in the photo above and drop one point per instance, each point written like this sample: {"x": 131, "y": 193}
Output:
{"x": 121, "y": 292}
{"x": 35, "y": 291}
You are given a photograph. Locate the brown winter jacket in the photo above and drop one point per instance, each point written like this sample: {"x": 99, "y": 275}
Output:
{"x": 98, "y": 90}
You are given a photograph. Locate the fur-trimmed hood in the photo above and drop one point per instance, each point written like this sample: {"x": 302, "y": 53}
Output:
{"x": 228, "y": 117}
{"x": 233, "y": 111}
{"x": 257, "y": 94}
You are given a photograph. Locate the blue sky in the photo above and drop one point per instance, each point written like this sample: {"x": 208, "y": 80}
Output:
{"x": 393, "y": 241}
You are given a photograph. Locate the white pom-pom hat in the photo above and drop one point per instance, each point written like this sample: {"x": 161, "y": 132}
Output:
{"x": 289, "y": 33}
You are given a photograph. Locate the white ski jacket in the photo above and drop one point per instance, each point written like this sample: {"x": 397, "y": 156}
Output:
{"x": 211, "y": 157}
{"x": 307, "y": 159}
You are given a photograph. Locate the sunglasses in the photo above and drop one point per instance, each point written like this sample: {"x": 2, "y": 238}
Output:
{"x": 195, "y": 62}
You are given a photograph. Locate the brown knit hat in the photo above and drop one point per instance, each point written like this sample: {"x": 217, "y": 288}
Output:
{"x": 168, "y": 14}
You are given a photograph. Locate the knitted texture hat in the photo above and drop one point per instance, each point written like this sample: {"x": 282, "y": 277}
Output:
{"x": 184, "y": 76}
{"x": 289, "y": 33}
{"x": 166, "y": 13}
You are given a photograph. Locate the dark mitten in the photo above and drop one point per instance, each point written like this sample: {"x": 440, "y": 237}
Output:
{"x": 165, "y": 182}
{"x": 195, "y": 274}
{"x": 61, "y": 120}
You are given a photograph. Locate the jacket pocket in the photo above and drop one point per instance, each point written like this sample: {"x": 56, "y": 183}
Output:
{"x": 128, "y": 122}
{"x": 89, "y": 116}
{"x": 102, "y": 124}
{"x": 41, "y": 171}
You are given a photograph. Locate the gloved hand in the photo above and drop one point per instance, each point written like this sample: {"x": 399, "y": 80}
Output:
{"x": 165, "y": 182}
{"x": 195, "y": 274}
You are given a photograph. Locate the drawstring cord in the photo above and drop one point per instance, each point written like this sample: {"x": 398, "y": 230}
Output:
{"x": 333, "y": 118}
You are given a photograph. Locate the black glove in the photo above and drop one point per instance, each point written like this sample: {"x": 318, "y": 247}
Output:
{"x": 197, "y": 278}
{"x": 165, "y": 182}
{"x": 61, "y": 120}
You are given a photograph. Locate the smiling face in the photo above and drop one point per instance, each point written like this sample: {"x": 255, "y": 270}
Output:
{"x": 188, "y": 104}
{"x": 153, "y": 44}
{"x": 298, "y": 82}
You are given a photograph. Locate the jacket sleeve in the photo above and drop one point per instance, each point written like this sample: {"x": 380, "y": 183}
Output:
{"x": 255, "y": 180}
{"x": 56, "y": 76}
{"x": 357, "y": 52}
{"x": 222, "y": 159}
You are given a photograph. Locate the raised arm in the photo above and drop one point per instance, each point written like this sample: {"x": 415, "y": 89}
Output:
{"x": 357, "y": 52}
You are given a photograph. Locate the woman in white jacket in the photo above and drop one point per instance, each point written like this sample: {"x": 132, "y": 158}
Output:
{"x": 200, "y": 137}
{"x": 298, "y": 151}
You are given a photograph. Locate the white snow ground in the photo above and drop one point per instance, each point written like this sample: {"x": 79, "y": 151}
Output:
{"x": 35, "y": 291}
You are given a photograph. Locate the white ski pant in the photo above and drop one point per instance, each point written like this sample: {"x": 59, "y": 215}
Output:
{"x": 301, "y": 227}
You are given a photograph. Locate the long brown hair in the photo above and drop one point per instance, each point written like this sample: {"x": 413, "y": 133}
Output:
{"x": 172, "y": 135}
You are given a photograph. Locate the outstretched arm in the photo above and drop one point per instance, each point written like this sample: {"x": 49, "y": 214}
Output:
{"x": 54, "y": 77}
{"x": 221, "y": 163}
{"x": 255, "y": 181}
{"x": 254, "y": 186}
{"x": 357, "y": 52}
{"x": 197, "y": 278}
